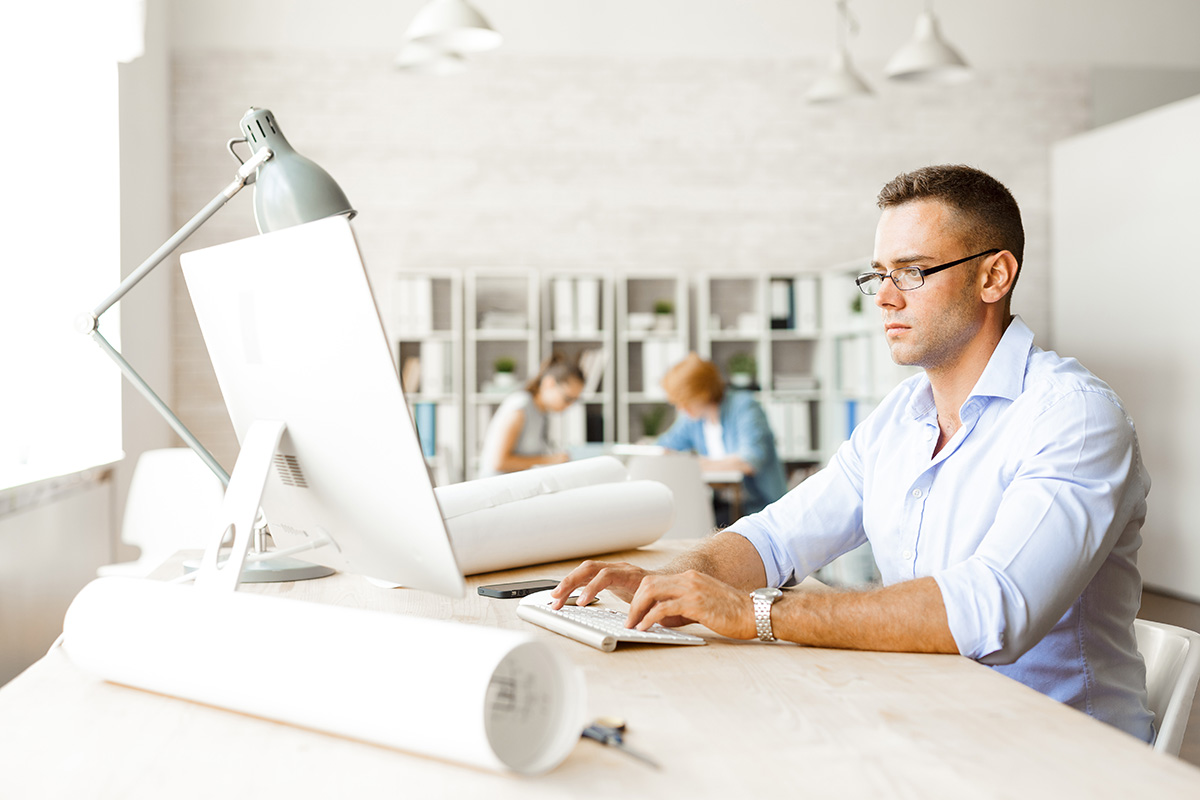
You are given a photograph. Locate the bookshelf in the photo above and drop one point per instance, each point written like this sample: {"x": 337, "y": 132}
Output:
{"x": 502, "y": 311}
{"x": 773, "y": 322}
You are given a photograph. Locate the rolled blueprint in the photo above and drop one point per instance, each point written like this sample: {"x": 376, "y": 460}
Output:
{"x": 567, "y": 524}
{"x": 465, "y": 498}
{"x": 475, "y": 695}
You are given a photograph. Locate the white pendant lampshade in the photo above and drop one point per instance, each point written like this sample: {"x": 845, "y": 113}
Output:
{"x": 839, "y": 82}
{"x": 927, "y": 56}
{"x": 454, "y": 26}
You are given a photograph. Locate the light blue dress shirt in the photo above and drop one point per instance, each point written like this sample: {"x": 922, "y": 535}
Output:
{"x": 1029, "y": 519}
{"x": 745, "y": 432}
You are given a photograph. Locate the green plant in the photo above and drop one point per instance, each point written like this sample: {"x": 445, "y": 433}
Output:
{"x": 652, "y": 420}
{"x": 743, "y": 364}
{"x": 856, "y": 305}
{"x": 505, "y": 364}
{"x": 664, "y": 307}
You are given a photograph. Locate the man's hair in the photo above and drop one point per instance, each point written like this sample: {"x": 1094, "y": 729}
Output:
{"x": 987, "y": 214}
{"x": 694, "y": 380}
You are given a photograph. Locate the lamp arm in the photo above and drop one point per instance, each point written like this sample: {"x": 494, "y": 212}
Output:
{"x": 89, "y": 322}
{"x": 191, "y": 226}
{"x": 162, "y": 408}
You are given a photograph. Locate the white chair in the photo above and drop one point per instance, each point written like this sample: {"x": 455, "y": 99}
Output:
{"x": 1172, "y": 657}
{"x": 173, "y": 501}
{"x": 680, "y": 472}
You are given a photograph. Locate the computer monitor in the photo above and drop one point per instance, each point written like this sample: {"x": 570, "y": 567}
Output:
{"x": 294, "y": 335}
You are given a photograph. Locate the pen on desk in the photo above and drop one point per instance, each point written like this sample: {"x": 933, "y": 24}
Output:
{"x": 612, "y": 735}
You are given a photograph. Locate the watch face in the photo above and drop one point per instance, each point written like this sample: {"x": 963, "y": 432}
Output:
{"x": 769, "y": 593}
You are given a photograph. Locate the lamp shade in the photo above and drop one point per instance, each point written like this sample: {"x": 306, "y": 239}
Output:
{"x": 289, "y": 189}
{"x": 927, "y": 56}
{"x": 839, "y": 82}
{"x": 452, "y": 25}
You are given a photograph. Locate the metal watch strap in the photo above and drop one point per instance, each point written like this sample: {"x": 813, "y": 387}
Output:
{"x": 764, "y": 599}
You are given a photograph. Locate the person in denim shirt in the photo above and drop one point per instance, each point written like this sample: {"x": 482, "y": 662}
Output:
{"x": 728, "y": 430}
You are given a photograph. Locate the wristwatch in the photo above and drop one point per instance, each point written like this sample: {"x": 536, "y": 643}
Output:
{"x": 763, "y": 600}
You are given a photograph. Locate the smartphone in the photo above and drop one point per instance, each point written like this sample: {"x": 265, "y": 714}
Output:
{"x": 517, "y": 588}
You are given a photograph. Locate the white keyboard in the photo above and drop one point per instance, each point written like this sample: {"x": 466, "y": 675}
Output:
{"x": 601, "y": 628}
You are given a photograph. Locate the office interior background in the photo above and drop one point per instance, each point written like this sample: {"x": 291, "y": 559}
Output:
{"x": 604, "y": 137}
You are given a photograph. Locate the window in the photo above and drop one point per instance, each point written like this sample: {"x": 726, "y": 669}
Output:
{"x": 60, "y": 396}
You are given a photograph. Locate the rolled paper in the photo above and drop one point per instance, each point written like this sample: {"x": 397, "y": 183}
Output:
{"x": 575, "y": 523}
{"x": 481, "y": 696}
{"x": 458, "y": 499}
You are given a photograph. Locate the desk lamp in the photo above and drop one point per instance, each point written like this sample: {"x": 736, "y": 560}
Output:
{"x": 289, "y": 189}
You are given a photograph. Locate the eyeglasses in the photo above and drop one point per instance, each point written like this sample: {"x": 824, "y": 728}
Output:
{"x": 908, "y": 278}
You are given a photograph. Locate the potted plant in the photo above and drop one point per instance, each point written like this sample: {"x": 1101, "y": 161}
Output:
{"x": 742, "y": 370}
{"x": 652, "y": 422}
{"x": 504, "y": 367}
{"x": 664, "y": 315}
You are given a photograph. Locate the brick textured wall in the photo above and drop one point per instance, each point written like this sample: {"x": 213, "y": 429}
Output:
{"x": 590, "y": 163}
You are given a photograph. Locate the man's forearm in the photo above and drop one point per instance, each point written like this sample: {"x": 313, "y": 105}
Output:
{"x": 726, "y": 556}
{"x": 906, "y": 617}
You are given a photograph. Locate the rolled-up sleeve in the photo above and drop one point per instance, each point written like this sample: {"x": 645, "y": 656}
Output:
{"x": 1068, "y": 499}
{"x": 812, "y": 524}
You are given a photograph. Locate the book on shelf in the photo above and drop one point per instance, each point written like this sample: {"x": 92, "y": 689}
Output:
{"x": 436, "y": 360}
{"x": 593, "y": 362}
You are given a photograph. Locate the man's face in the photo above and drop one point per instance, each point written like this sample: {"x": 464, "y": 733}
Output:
{"x": 931, "y": 326}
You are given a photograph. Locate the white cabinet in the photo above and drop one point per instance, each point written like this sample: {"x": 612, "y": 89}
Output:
{"x": 652, "y": 335}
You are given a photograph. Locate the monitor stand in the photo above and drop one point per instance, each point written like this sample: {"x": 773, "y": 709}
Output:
{"x": 240, "y": 512}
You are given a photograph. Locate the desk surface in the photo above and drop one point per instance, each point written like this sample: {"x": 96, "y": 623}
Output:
{"x": 732, "y": 719}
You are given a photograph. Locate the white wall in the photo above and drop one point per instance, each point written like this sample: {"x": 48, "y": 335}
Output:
{"x": 146, "y": 221}
{"x": 1064, "y": 32}
{"x": 1125, "y": 217}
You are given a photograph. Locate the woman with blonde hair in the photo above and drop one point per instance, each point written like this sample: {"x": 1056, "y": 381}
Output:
{"x": 516, "y": 438}
{"x": 727, "y": 429}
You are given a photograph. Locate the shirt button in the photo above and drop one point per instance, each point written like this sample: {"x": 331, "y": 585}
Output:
{"x": 916, "y": 492}
{"x": 907, "y": 555}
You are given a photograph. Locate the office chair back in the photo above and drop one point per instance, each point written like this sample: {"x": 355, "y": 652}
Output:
{"x": 680, "y": 472}
{"x": 173, "y": 500}
{"x": 1172, "y": 657}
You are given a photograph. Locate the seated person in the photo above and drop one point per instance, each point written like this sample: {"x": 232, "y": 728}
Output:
{"x": 728, "y": 429}
{"x": 1002, "y": 489}
{"x": 516, "y": 438}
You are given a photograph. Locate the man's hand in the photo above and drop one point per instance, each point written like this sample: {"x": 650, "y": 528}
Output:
{"x": 674, "y": 600}
{"x": 621, "y": 578}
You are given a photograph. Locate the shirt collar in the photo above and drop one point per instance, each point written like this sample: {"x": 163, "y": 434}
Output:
{"x": 1004, "y": 375}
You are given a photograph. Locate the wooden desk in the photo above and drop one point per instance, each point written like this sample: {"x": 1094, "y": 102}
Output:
{"x": 730, "y": 720}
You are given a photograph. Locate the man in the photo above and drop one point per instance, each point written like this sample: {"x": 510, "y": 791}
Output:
{"x": 1002, "y": 490}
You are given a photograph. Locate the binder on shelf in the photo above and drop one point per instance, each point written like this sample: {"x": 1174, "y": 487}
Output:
{"x": 783, "y": 304}
{"x": 435, "y": 368}
{"x": 805, "y": 292}
{"x": 564, "y": 306}
{"x": 587, "y": 306}
{"x": 426, "y": 420}
{"x": 412, "y": 301}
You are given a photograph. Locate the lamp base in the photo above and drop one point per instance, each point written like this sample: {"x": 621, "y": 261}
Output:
{"x": 273, "y": 570}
